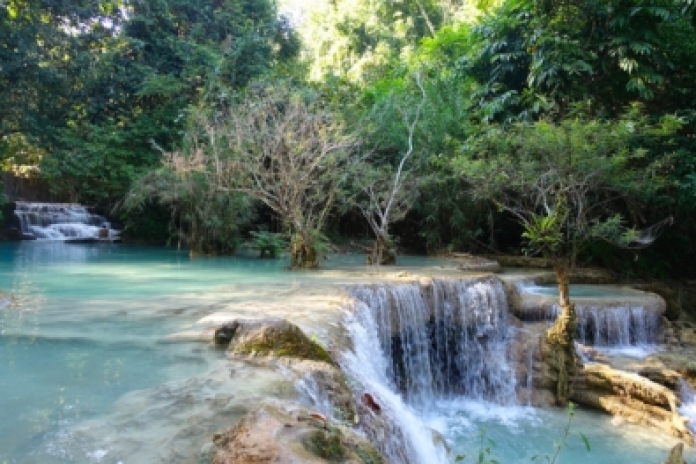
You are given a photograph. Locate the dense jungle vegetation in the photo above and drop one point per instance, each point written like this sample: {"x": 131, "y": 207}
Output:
{"x": 562, "y": 128}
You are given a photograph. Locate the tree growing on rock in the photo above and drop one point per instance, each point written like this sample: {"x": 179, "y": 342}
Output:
{"x": 567, "y": 184}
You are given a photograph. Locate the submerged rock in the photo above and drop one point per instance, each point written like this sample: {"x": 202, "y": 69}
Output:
{"x": 269, "y": 337}
{"x": 280, "y": 434}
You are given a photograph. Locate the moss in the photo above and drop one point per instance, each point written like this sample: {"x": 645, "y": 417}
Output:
{"x": 327, "y": 445}
{"x": 286, "y": 343}
{"x": 368, "y": 454}
{"x": 561, "y": 351}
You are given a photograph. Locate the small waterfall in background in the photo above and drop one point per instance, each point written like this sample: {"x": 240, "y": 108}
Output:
{"x": 621, "y": 326}
{"x": 636, "y": 325}
{"x": 633, "y": 330}
{"x": 58, "y": 221}
{"x": 416, "y": 344}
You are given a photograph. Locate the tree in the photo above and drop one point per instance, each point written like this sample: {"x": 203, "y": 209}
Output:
{"x": 363, "y": 40}
{"x": 203, "y": 218}
{"x": 285, "y": 150}
{"x": 567, "y": 185}
{"x": 137, "y": 87}
{"x": 387, "y": 196}
{"x": 537, "y": 54}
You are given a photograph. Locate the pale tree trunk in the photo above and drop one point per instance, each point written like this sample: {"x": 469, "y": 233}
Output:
{"x": 303, "y": 253}
{"x": 383, "y": 251}
{"x": 560, "y": 338}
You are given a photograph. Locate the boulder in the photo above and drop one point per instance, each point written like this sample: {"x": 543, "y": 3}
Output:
{"x": 269, "y": 337}
{"x": 632, "y": 397}
{"x": 280, "y": 434}
{"x": 277, "y": 343}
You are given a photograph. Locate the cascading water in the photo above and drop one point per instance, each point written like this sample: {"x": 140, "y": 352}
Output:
{"x": 58, "y": 221}
{"x": 617, "y": 326}
{"x": 419, "y": 343}
{"x": 602, "y": 320}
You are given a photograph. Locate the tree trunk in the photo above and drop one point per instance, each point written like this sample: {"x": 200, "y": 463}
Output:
{"x": 560, "y": 339}
{"x": 303, "y": 254}
{"x": 383, "y": 252}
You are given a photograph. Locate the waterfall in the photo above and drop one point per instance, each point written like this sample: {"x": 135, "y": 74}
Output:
{"x": 617, "y": 326}
{"x": 417, "y": 343}
{"x": 58, "y": 221}
{"x": 608, "y": 317}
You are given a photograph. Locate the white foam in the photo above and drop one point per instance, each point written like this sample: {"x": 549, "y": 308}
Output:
{"x": 97, "y": 455}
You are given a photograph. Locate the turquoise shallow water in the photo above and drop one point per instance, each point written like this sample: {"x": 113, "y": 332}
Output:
{"x": 516, "y": 435}
{"x": 84, "y": 326}
{"x": 584, "y": 291}
{"x": 88, "y": 376}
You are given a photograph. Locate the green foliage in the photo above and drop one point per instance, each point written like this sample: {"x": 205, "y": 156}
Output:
{"x": 545, "y": 232}
{"x": 95, "y": 84}
{"x": 203, "y": 218}
{"x": 270, "y": 245}
{"x": 538, "y": 55}
{"x": 365, "y": 41}
{"x": 327, "y": 445}
{"x": 568, "y": 183}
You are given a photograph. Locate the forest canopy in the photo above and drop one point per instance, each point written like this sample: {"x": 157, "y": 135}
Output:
{"x": 126, "y": 105}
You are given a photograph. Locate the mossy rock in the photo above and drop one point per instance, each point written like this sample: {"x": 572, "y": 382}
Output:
{"x": 368, "y": 454}
{"x": 269, "y": 337}
{"x": 327, "y": 444}
{"x": 282, "y": 432}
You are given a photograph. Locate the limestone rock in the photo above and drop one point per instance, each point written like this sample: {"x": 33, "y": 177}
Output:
{"x": 632, "y": 397}
{"x": 676, "y": 455}
{"x": 669, "y": 293}
{"x": 683, "y": 363}
{"x": 474, "y": 263}
{"x": 667, "y": 377}
{"x": 279, "y": 434}
{"x": 522, "y": 261}
{"x": 328, "y": 387}
{"x": 269, "y": 337}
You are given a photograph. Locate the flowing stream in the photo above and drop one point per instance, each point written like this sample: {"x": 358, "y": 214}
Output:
{"x": 439, "y": 351}
{"x": 94, "y": 369}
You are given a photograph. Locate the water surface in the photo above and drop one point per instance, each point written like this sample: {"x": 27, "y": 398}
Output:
{"x": 88, "y": 372}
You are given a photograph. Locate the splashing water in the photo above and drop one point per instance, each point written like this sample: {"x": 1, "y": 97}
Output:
{"x": 417, "y": 344}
